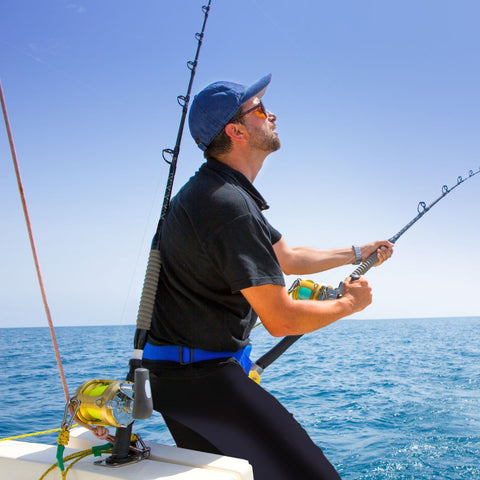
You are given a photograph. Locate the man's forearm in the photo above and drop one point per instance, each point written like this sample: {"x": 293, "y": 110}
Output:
{"x": 306, "y": 260}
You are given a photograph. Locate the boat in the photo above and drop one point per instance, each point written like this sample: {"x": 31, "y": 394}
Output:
{"x": 22, "y": 460}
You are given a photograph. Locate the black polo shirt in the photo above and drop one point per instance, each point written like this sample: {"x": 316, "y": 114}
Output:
{"x": 214, "y": 242}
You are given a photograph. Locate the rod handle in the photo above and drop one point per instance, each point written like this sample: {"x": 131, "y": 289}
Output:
{"x": 149, "y": 292}
{"x": 275, "y": 352}
{"x": 365, "y": 266}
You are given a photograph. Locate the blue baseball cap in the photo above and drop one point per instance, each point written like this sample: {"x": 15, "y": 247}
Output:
{"x": 216, "y": 104}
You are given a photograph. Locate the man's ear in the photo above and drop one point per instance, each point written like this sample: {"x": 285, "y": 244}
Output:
{"x": 236, "y": 132}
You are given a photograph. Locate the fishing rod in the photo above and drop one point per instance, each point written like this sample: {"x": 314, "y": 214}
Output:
{"x": 142, "y": 406}
{"x": 170, "y": 156}
{"x": 318, "y": 292}
{"x": 32, "y": 245}
{"x": 33, "y": 248}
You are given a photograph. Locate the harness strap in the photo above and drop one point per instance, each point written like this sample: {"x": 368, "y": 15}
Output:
{"x": 186, "y": 355}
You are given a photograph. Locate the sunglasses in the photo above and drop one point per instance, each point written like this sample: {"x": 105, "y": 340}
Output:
{"x": 259, "y": 110}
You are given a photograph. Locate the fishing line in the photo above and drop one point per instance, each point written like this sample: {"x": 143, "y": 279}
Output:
{"x": 422, "y": 208}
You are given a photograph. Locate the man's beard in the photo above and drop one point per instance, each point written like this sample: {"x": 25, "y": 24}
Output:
{"x": 266, "y": 143}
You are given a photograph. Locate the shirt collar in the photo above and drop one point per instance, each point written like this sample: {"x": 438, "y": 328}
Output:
{"x": 239, "y": 178}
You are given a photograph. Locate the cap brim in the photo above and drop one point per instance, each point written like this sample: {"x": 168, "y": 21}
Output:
{"x": 258, "y": 89}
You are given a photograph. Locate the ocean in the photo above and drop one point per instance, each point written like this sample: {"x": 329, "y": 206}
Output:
{"x": 385, "y": 399}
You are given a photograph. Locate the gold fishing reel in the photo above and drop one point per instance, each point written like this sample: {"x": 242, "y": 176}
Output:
{"x": 105, "y": 402}
{"x": 303, "y": 289}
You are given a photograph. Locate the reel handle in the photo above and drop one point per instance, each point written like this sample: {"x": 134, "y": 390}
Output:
{"x": 142, "y": 395}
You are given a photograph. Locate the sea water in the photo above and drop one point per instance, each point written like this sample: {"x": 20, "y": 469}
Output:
{"x": 385, "y": 399}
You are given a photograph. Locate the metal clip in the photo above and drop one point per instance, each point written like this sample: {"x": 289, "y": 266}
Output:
{"x": 67, "y": 424}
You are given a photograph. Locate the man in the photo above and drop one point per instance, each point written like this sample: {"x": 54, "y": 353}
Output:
{"x": 222, "y": 265}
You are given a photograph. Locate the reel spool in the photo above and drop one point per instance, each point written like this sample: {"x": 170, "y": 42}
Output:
{"x": 302, "y": 289}
{"x": 105, "y": 402}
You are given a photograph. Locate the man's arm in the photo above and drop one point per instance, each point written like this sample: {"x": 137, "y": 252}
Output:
{"x": 281, "y": 315}
{"x": 305, "y": 260}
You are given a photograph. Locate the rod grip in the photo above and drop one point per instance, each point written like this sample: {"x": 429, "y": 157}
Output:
{"x": 149, "y": 292}
{"x": 366, "y": 265}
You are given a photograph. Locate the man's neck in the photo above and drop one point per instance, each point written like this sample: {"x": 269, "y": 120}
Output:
{"x": 247, "y": 164}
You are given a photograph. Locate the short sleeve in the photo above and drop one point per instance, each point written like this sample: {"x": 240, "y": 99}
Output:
{"x": 242, "y": 251}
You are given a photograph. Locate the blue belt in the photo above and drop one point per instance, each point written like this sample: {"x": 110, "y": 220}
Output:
{"x": 186, "y": 355}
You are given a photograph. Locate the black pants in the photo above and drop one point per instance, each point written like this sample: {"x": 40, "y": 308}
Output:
{"x": 214, "y": 407}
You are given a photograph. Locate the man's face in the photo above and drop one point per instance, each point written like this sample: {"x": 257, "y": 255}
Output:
{"x": 260, "y": 124}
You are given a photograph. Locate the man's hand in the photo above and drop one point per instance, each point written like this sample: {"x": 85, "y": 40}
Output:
{"x": 384, "y": 250}
{"x": 358, "y": 292}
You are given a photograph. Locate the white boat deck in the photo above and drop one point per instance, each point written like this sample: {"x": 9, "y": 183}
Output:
{"x": 28, "y": 461}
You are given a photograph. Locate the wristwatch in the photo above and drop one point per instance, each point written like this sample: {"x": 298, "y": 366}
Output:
{"x": 358, "y": 255}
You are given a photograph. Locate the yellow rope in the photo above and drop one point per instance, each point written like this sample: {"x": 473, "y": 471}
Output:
{"x": 32, "y": 434}
{"x": 63, "y": 439}
{"x": 74, "y": 461}
{"x": 73, "y": 458}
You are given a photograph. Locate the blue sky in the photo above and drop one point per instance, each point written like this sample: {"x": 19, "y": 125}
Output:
{"x": 377, "y": 105}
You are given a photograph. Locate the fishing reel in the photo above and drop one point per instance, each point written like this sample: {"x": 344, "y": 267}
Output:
{"x": 302, "y": 289}
{"x": 105, "y": 402}
{"x": 110, "y": 403}
{"x": 114, "y": 403}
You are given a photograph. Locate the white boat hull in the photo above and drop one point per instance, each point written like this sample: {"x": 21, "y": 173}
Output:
{"x": 28, "y": 461}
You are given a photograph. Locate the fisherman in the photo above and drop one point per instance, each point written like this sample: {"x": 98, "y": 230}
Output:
{"x": 222, "y": 265}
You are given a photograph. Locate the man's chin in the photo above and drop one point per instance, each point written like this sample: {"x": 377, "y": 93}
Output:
{"x": 276, "y": 145}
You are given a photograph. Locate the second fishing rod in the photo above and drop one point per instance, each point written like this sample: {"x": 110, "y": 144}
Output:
{"x": 309, "y": 290}
{"x": 143, "y": 407}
